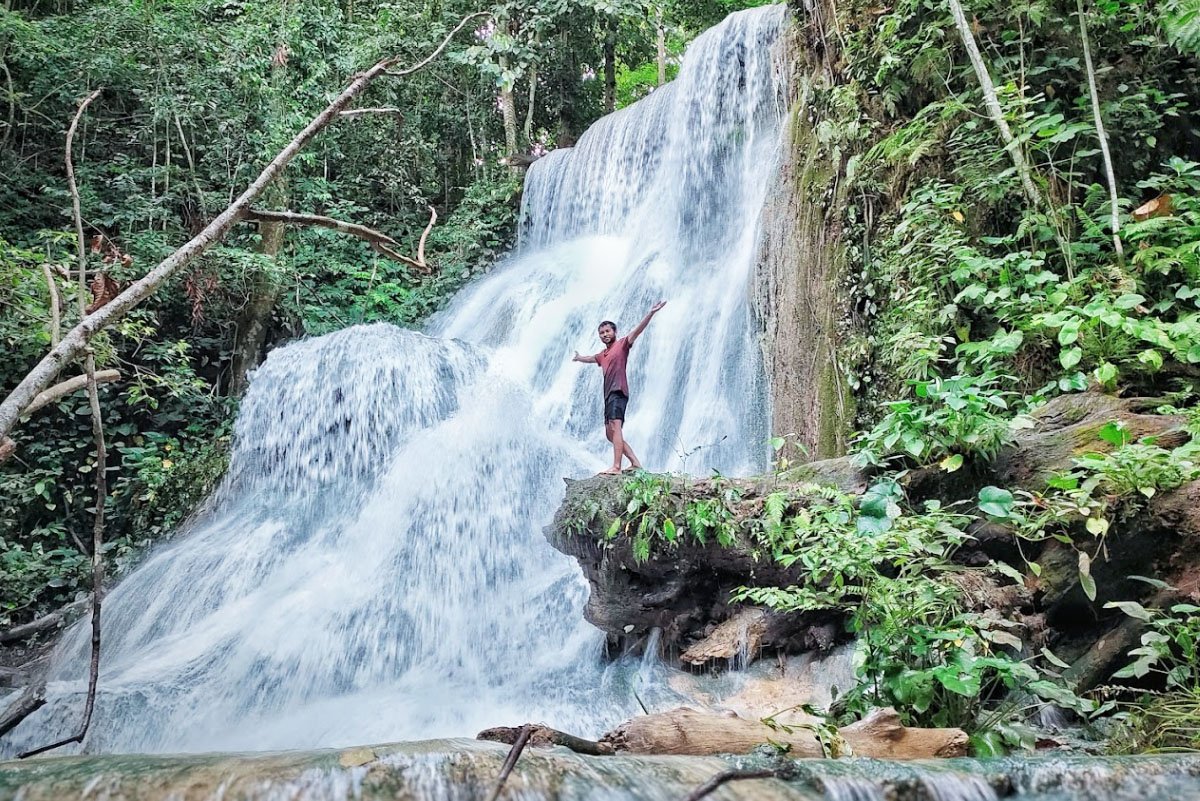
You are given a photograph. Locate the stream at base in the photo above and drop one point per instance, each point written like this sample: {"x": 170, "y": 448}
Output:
{"x": 466, "y": 770}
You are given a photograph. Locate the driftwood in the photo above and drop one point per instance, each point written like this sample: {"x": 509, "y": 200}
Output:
{"x": 24, "y": 705}
{"x": 724, "y": 776}
{"x": 44, "y": 622}
{"x": 510, "y": 761}
{"x": 545, "y": 737}
{"x": 689, "y": 732}
{"x": 740, "y": 634}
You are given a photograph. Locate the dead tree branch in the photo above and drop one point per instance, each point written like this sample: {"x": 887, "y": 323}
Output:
{"x": 424, "y": 236}
{"x": 75, "y": 204}
{"x": 64, "y": 388}
{"x": 545, "y": 737}
{"x": 42, "y": 623}
{"x": 360, "y": 112}
{"x": 24, "y": 705}
{"x": 992, "y": 102}
{"x": 514, "y": 754}
{"x": 729, "y": 776}
{"x": 101, "y": 463}
{"x": 1098, "y": 118}
{"x": 379, "y": 242}
{"x": 55, "y": 308}
{"x": 8, "y": 447}
{"x": 76, "y": 340}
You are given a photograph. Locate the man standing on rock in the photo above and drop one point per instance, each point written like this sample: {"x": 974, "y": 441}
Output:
{"x": 612, "y": 361}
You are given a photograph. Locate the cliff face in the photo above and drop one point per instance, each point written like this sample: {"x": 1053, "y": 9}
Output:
{"x": 800, "y": 267}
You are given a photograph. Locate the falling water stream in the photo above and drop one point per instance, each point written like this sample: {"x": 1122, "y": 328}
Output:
{"x": 373, "y": 569}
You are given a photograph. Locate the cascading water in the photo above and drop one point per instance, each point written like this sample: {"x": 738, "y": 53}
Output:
{"x": 373, "y": 567}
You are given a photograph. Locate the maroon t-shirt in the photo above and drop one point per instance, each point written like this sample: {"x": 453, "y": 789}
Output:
{"x": 612, "y": 361}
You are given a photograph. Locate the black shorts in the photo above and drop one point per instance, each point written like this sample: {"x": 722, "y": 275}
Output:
{"x": 614, "y": 406}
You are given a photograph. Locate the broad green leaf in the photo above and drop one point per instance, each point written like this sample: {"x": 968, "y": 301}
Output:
{"x": 1129, "y": 301}
{"x": 1151, "y": 358}
{"x": 1086, "y": 582}
{"x": 1069, "y": 332}
{"x": 996, "y": 502}
{"x": 1114, "y": 434}
{"x": 1131, "y": 608}
{"x": 669, "y": 529}
{"x": 1052, "y": 659}
{"x": 1106, "y": 373}
{"x": 951, "y": 462}
{"x": 1097, "y": 526}
{"x": 1070, "y": 357}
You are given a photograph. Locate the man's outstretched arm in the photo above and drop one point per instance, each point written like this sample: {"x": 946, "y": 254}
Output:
{"x": 640, "y": 327}
{"x": 584, "y": 359}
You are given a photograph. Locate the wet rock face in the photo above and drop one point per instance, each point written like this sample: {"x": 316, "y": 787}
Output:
{"x": 684, "y": 591}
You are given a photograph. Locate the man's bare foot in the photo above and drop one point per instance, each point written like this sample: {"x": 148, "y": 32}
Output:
{"x": 633, "y": 468}
{"x": 612, "y": 471}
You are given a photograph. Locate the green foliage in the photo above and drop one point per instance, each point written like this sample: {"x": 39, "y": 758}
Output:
{"x": 1166, "y": 658}
{"x": 656, "y": 518}
{"x": 890, "y": 569}
{"x": 961, "y": 415}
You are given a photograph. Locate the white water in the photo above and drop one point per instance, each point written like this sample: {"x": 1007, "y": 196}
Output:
{"x": 373, "y": 568}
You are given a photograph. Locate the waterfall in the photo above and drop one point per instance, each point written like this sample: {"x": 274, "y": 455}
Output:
{"x": 373, "y": 568}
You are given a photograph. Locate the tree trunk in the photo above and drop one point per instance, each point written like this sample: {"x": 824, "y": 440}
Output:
{"x": 254, "y": 322}
{"x": 610, "y": 67}
{"x": 533, "y": 75}
{"x": 1100, "y": 134}
{"x": 661, "y": 30}
{"x": 993, "y": 104}
{"x": 508, "y": 106}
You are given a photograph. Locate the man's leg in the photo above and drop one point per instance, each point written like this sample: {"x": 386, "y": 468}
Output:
{"x": 628, "y": 451}
{"x": 613, "y": 429}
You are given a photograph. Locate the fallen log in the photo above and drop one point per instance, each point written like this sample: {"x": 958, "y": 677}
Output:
{"x": 24, "y": 705}
{"x": 545, "y": 737}
{"x": 688, "y": 732}
{"x": 52, "y": 620}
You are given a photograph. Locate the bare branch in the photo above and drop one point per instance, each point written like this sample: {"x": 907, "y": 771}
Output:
{"x": 420, "y": 65}
{"x": 993, "y": 105}
{"x": 101, "y": 469}
{"x": 42, "y": 623}
{"x": 75, "y": 341}
{"x": 81, "y": 254}
{"x": 359, "y": 112}
{"x": 55, "y": 309}
{"x": 728, "y": 776}
{"x": 64, "y": 388}
{"x": 510, "y": 761}
{"x": 424, "y": 236}
{"x": 1100, "y": 134}
{"x": 378, "y": 241}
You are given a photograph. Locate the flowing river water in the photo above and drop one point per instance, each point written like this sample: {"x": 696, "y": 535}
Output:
{"x": 373, "y": 570}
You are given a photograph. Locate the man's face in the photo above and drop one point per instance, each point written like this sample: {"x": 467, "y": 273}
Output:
{"x": 608, "y": 335}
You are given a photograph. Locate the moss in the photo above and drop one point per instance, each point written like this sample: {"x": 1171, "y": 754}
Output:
{"x": 832, "y": 396}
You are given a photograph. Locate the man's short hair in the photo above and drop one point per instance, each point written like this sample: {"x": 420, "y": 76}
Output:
{"x": 609, "y": 323}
